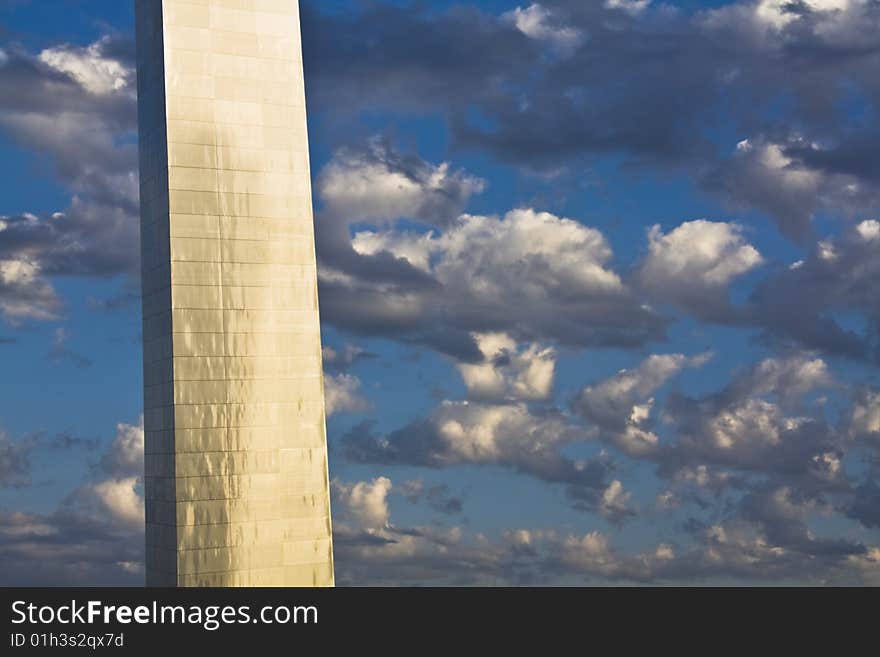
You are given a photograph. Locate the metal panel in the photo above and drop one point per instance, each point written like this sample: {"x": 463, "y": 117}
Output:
{"x": 236, "y": 481}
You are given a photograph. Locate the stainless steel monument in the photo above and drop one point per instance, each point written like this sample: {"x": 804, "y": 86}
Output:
{"x": 236, "y": 459}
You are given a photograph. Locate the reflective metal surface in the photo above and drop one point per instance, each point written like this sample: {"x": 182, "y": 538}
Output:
{"x": 236, "y": 460}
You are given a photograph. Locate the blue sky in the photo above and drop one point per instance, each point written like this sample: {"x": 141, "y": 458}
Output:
{"x": 604, "y": 273}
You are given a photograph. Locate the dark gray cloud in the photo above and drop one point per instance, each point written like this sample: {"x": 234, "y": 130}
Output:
{"x": 803, "y": 303}
{"x": 793, "y": 181}
{"x": 766, "y": 422}
{"x": 95, "y": 535}
{"x": 620, "y": 408}
{"x": 865, "y": 507}
{"x": 68, "y": 548}
{"x": 15, "y": 460}
{"x": 653, "y": 86}
{"x": 526, "y": 441}
{"x": 60, "y": 352}
{"x": 344, "y": 358}
{"x": 439, "y": 497}
{"x": 864, "y": 417}
{"x": 762, "y": 539}
{"x": 410, "y": 58}
{"x": 67, "y": 440}
{"x": 759, "y": 451}
{"x": 75, "y": 107}
{"x": 809, "y": 304}
{"x": 780, "y": 514}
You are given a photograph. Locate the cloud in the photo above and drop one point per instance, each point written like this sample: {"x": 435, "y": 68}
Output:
{"x": 631, "y": 7}
{"x": 24, "y": 294}
{"x": 125, "y": 457}
{"x": 120, "y": 498}
{"x": 541, "y": 24}
{"x": 769, "y": 18}
{"x": 809, "y": 304}
{"x": 614, "y": 503}
{"x": 766, "y": 539}
{"x": 67, "y": 440}
{"x": 15, "y": 460}
{"x": 115, "y": 494}
{"x": 371, "y": 550}
{"x": 61, "y": 352}
{"x": 94, "y": 537}
{"x": 380, "y": 184}
{"x": 647, "y": 89}
{"x": 621, "y": 407}
{"x": 693, "y": 265}
{"x": 344, "y": 358}
{"x": 507, "y": 372}
{"x": 781, "y": 513}
{"x": 90, "y": 67}
{"x": 786, "y": 180}
{"x": 865, "y": 415}
{"x": 802, "y": 304}
{"x": 508, "y": 435}
{"x": 437, "y": 497}
{"x": 405, "y": 57}
{"x": 757, "y": 424}
{"x": 64, "y": 548}
{"x": 592, "y": 554}
{"x": 341, "y": 394}
{"x": 365, "y": 502}
{"x": 403, "y": 257}
{"x": 75, "y": 107}
{"x": 865, "y": 506}
{"x": 531, "y": 274}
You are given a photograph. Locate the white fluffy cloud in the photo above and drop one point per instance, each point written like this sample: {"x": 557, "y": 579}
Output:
{"x": 366, "y": 503}
{"x": 341, "y": 394}
{"x": 545, "y": 276}
{"x": 119, "y": 495}
{"x": 508, "y": 372}
{"x": 768, "y": 18}
{"x": 380, "y": 185}
{"x": 632, "y": 7}
{"x": 614, "y": 502}
{"x": 693, "y": 265}
{"x": 703, "y": 252}
{"x": 508, "y": 433}
{"x": 865, "y": 415}
{"x": 90, "y": 67}
{"x": 125, "y": 457}
{"x": 25, "y": 293}
{"x": 538, "y": 22}
{"x": 789, "y": 378}
{"x": 121, "y": 499}
{"x": 526, "y": 254}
